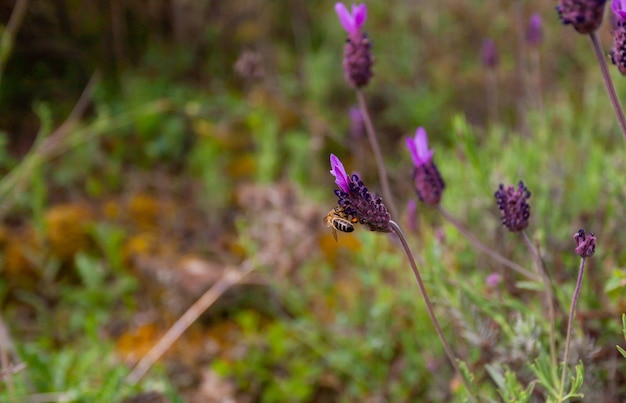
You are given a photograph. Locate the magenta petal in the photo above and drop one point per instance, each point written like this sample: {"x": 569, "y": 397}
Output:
{"x": 359, "y": 13}
{"x": 345, "y": 17}
{"x": 619, "y": 9}
{"x": 339, "y": 172}
{"x": 410, "y": 144}
{"x": 421, "y": 143}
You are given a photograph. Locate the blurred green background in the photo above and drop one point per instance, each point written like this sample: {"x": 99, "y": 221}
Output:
{"x": 201, "y": 146}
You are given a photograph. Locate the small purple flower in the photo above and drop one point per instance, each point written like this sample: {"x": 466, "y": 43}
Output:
{"x": 585, "y": 244}
{"x": 356, "y": 201}
{"x": 493, "y": 280}
{"x": 411, "y": 212}
{"x": 357, "y": 52}
{"x": 339, "y": 172}
{"x": 489, "y": 54}
{"x": 533, "y": 33}
{"x": 584, "y": 15}
{"x": 514, "y": 210}
{"x": 352, "y": 22}
{"x": 619, "y": 9}
{"x": 426, "y": 177}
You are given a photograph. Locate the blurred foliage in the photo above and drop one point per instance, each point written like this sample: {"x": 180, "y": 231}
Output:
{"x": 205, "y": 145}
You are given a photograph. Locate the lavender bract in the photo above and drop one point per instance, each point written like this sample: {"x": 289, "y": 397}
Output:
{"x": 357, "y": 54}
{"x": 489, "y": 54}
{"x": 357, "y": 201}
{"x": 514, "y": 210}
{"x": 428, "y": 183}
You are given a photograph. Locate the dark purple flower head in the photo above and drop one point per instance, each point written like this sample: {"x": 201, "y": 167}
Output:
{"x": 357, "y": 52}
{"x": 352, "y": 22}
{"x": 585, "y": 244}
{"x": 357, "y": 201}
{"x": 514, "y": 209}
{"x": 533, "y": 33}
{"x": 426, "y": 177}
{"x": 619, "y": 9}
{"x": 489, "y": 53}
{"x": 618, "y": 53}
{"x": 584, "y": 15}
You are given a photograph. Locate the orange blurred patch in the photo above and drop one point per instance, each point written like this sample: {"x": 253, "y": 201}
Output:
{"x": 136, "y": 343}
{"x": 66, "y": 229}
{"x": 331, "y": 249}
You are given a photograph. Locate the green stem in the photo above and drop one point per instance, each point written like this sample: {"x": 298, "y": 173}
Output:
{"x": 549, "y": 297}
{"x": 431, "y": 312}
{"x": 572, "y": 309}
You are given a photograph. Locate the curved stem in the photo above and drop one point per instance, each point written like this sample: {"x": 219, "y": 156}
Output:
{"x": 429, "y": 308}
{"x": 572, "y": 309}
{"x": 549, "y": 297}
{"x": 484, "y": 248}
{"x": 380, "y": 163}
{"x": 608, "y": 83}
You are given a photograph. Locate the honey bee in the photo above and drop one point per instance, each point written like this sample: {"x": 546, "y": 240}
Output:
{"x": 339, "y": 220}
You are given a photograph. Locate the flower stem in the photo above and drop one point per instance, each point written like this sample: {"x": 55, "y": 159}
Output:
{"x": 382, "y": 171}
{"x": 429, "y": 308}
{"x": 608, "y": 83}
{"x": 484, "y": 248}
{"x": 572, "y": 309}
{"x": 549, "y": 297}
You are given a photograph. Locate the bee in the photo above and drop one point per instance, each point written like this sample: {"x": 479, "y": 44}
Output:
{"x": 339, "y": 220}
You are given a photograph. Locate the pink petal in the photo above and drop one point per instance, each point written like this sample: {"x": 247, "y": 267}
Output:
{"x": 359, "y": 13}
{"x": 339, "y": 172}
{"x": 345, "y": 17}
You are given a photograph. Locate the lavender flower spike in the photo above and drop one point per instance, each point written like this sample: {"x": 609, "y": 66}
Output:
{"x": 339, "y": 172}
{"x": 426, "y": 177}
{"x": 584, "y": 15}
{"x": 356, "y": 201}
{"x": 533, "y": 33}
{"x": 357, "y": 53}
{"x": 618, "y": 53}
{"x": 352, "y": 22}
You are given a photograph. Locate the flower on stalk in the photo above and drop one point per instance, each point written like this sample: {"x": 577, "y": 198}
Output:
{"x": 489, "y": 54}
{"x": 533, "y": 33}
{"x": 514, "y": 209}
{"x": 357, "y": 54}
{"x": 585, "y": 244}
{"x": 618, "y": 53}
{"x": 428, "y": 182}
{"x": 357, "y": 201}
{"x": 584, "y": 15}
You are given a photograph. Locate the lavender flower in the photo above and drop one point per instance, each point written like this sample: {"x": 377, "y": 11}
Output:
{"x": 489, "y": 54}
{"x": 533, "y": 33}
{"x": 585, "y": 244}
{"x": 584, "y": 15}
{"x": 428, "y": 182}
{"x": 618, "y": 53}
{"x": 357, "y": 123}
{"x": 493, "y": 280}
{"x": 514, "y": 210}
{"x": 357, "y": 55}
{"x": 357, "y": 201}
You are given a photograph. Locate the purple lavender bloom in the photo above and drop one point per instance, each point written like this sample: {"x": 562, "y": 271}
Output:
{"x": 584, "y": 15}
{"x": 585, "y": 244}
{"x": 493, "y": 280}
{"x": 411, "y": 212}
{"x": 357, "y": 201}
{"x": 514, "y": 210}
{"x": 357, "y": 52}
{"x": 426, "y": 177}
{"x": 618, "y": 53}
{"x": 352, "y": 22}
{"x": 357, "y": 123}
{"x": 533, "y": 33}
{"x": 489, "y": 54}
